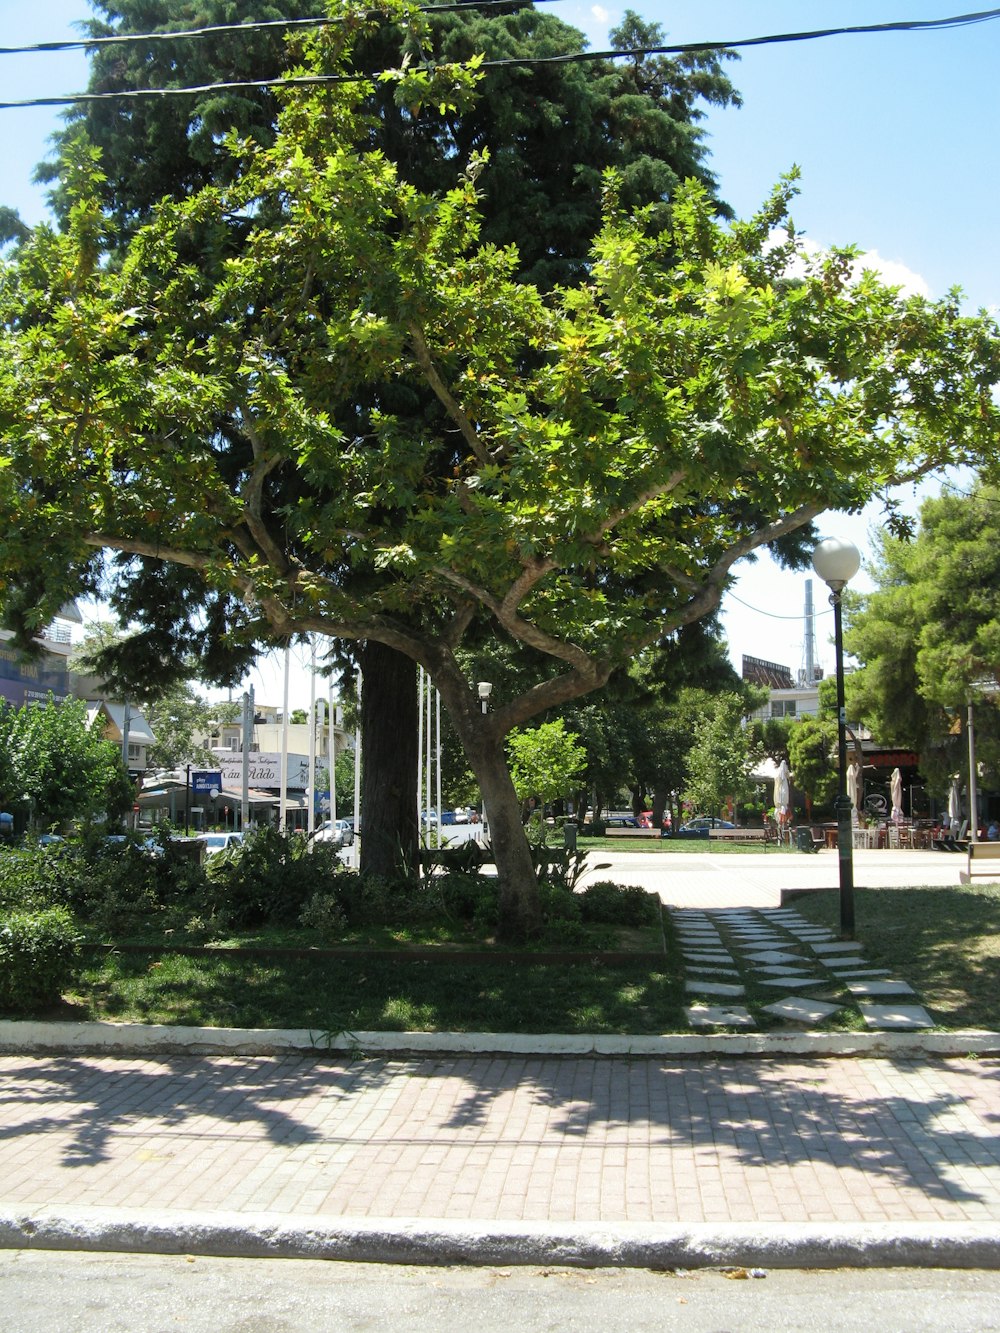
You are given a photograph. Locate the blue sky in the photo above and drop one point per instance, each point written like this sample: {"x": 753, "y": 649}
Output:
{"x": 895, "y": 134}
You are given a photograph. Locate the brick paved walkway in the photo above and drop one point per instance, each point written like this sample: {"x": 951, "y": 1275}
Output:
{"x": 506, "y": 1138}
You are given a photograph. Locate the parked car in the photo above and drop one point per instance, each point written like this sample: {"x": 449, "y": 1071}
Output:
{"x": 618, "y": 819}
{"x": 338, "y": 831}
{"x": 700, "y": 825}
{"x": 219, "y": 842}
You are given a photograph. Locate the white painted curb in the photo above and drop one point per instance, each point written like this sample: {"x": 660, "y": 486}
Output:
{"x": 152, "y": 1039}
{"x": 590, "y": 1245}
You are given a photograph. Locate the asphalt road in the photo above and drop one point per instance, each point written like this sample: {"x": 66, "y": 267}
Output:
{"x": 58, "y": 1292}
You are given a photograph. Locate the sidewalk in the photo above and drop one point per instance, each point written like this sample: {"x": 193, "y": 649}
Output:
{"x": 506, "y": 1158}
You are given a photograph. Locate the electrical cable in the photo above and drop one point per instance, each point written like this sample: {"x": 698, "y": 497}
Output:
{"x": 525, "y": 62}
{"x": 772, "y": 615}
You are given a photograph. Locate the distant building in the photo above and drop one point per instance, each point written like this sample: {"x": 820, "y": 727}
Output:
{"x": 24, "y": 679}
{"x": 113, "y": 720}
{"x": 786, "y": 696}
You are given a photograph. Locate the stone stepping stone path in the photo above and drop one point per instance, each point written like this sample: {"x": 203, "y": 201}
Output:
{"x": 728, "y": 949}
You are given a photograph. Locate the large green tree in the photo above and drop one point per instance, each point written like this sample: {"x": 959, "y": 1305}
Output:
{"x": 928, "y": 636}
{"x": 550, "y": 131}
{"x": 722, "y": 754}
{"x": 56, "y": 767}
{"x": 359, "y": 422}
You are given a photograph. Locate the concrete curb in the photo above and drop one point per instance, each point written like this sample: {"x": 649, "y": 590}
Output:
{"x": 588, "y": 1245}
{"x": 151, "y": 1039}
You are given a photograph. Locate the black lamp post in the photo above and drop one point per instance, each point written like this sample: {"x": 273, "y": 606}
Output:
{"x": 484, "y": 689}
{"x": 836, "y": 562}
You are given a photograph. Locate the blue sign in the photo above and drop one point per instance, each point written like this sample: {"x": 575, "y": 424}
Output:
{"x": 204, "y": 782}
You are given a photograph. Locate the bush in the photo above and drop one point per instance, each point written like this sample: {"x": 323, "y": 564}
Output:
{"x": 372, "y": 900}
{"x": 268, "y": 878}
{"x": 38, "y": 951}
{"x": 324, "y": 914}
{"x": 33, "y": 877}
{"x": 465, "y": 896}
{"x": 618, "y": 904}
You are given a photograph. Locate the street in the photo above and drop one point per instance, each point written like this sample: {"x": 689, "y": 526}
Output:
{"x": 55, "y": 1292}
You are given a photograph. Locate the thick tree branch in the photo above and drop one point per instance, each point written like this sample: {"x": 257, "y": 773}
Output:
{"x": 426, "y": 363}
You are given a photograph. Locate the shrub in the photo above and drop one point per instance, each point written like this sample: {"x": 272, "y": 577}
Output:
{"x": 618, "y": 904}
{"x": 38, "y": 951}
{"x": 324, "y": 914}
{"x": 373, "y": 900}
{"x": 33, "y": 877}
{"x": 465, "y": 896}
{"x": 268, "y": 878}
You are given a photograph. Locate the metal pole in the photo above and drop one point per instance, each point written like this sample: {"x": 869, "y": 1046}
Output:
{"x": 331, "y": 750}
{"x": 973, "y": 790}
{"x": 845, "y": 833}
{"x": 311, "y": 812}
{"x": 248, "y": 715}
{"x": 357, "y": 777}
{"x": 283, "y": 776}
{"x": 187, "y": 800}
{"x": 420, "y": 750}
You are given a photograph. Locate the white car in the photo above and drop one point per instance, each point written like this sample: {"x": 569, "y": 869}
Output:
{"x": 338, "y": 831}
{"x": 219, "y": 842}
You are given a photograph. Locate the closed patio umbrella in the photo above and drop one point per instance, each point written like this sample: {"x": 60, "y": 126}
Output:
{"x": 955, "y": 803}
{"x": 896, "y": 786}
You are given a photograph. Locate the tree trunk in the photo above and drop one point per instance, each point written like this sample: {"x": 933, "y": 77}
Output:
{"x": 520, "y": 909}
{"x": 390, "y": 836}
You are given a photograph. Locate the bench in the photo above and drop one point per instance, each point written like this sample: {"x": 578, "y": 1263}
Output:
{"x": 749, "y": 835}
{"x": 988, "y": 856}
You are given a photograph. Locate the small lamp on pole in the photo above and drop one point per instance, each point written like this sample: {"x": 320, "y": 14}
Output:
{"x": 836, "y": 562}
{"x": 485, "y": 688}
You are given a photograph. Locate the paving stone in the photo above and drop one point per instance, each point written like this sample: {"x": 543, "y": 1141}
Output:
{"x": 713, "y": 988}
{"x": 762, "y": 940}
{"x": 860, "y": 972}
{"x": 711, "y": 1016}
{"x": 713, "y": 968}
{"x": 792, "y": 982}
{"x": 895, "y": 1016}
{"x": 838, "y": 963}
{"x": 880, "y": 988}
{"x": 835, "y": 946}
{"x": 775, "y": 956}
{"x": 799, "y": 1009}
{"x": 780, "y": 970}
{"x": 705, "y": 956}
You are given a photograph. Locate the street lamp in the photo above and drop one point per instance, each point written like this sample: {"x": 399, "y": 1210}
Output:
{"x": 485, "y": 688}
{"x": 836, "y": 562}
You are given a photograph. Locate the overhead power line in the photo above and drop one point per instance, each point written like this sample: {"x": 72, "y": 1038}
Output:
{"x": 515, "y": 62}
{"x": 253, "y": 25}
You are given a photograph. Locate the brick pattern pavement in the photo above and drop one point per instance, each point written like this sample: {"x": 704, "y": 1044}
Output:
{"x": 505, "y": 1138}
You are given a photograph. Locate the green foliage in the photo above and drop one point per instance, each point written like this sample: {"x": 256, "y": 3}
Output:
{"x": 722, "y": 755}
{"x": 545, "y": 761}
{"x": 928, "y": 636}
{"x": 619, "y": 904}
{"x": 812, "y": 756}
{"x": 56, "y": 768}
{"x": 312, "y": 388}
{"x": 268, "y": 877}
{"x": 38, "y": 954}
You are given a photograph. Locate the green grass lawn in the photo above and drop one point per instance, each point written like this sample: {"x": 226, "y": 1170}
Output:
{"x": 944, "y": 941}
{"x": 336, "y": 995}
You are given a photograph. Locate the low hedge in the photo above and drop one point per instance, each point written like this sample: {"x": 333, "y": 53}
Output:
{"x": 38, "y": 953}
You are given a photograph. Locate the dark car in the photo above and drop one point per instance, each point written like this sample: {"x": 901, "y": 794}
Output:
{"x": 700, "y": 825}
